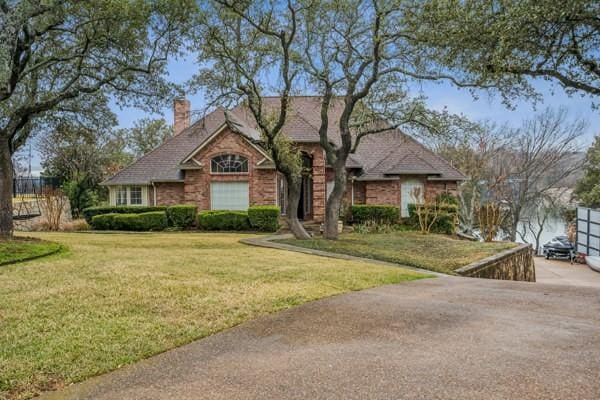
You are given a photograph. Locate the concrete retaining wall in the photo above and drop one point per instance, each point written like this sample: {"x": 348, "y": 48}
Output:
{"x": 514, "y": 264}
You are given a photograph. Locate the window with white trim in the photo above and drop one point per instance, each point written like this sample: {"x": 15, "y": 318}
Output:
{"x": 229, "y": 196}
{"x": 135, "y": 196}
{"x": 228, "y": 164}
{"x": 121, "y": 196}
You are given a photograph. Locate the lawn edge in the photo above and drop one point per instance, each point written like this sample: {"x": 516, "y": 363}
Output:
{"x": 59, "y": 249}
{"x": 269, "y": 242}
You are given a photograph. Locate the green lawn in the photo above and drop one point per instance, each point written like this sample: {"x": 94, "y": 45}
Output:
{"x": 20, "y": 249}
{"x": 434, "y": 252}
{"x": 113, "y": 299}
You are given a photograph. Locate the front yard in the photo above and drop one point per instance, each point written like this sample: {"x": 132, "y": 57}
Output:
{"x": 112, "y": 299}
{"x": 433, "y": 252}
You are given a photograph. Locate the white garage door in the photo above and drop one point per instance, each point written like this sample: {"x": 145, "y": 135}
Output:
{"x": 229, "y": 196}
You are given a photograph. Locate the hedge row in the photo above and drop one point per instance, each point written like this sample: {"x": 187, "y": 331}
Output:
{"x": 380, "y": 214}
{"x": 261, "y": 218}
{"x": 90, "y": 212}
{"x": 148, "y": 221}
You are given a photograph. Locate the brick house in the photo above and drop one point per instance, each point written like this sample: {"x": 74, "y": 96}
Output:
{"x": 218, "y": 162}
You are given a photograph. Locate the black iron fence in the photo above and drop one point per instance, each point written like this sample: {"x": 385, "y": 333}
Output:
{"x": 588, "y": 231}
{"x": 34, "y": 186}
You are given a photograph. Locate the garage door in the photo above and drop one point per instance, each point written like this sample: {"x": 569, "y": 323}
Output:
{"x": 229, "y": 196}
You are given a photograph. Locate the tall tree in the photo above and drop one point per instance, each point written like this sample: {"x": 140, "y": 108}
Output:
{"x": 82, "y": 158}
{"x": 246, "y": 48}
{"x": 57, "y": 58}
{"x": 361, "y": 56}
{"x": 146, "y": 135}
{"x": 588, "y": 187}
{"x": 537, "y": 160}
{"x": 513, "y": 40}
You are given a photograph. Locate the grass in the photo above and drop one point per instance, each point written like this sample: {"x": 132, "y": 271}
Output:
{"x": 433, "y": 252}
{"x": 113, "y": 299}
{"x": 17, "y": 250}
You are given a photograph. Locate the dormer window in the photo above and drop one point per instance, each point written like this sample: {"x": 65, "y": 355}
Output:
{"x": 228, "y": 164}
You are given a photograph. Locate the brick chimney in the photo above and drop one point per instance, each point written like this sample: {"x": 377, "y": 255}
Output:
{"x": 181, "y": 115}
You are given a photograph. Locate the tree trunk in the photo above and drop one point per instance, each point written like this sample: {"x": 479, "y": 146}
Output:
{"x": 294, "y": 191}
{"x": 334, "y": 202}
{"x": 6, "y": 190}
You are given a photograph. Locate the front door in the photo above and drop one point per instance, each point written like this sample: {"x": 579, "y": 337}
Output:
{"x": 306, "y": 194}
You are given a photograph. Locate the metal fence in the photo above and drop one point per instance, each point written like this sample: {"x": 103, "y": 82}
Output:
{"x": 34, "y": 186}
{"x": 588, "y": 231}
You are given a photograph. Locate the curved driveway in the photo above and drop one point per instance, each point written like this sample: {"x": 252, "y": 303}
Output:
{"x": 442, "y": 338}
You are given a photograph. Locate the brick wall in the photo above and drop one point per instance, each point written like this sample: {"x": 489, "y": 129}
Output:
{"x": 382, "y": 192}
{"x": 167, "y": 194}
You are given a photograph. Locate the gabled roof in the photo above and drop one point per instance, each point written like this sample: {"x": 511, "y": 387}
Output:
{"x": 381, "y": 156}
{"x": 162, "y": 163}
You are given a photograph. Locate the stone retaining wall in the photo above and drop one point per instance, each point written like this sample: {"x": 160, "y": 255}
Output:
{"x": 514, "y": 264}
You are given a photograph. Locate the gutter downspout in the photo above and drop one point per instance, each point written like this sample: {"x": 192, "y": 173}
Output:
{"x": 352, "y": 190}
{"x": 153, "y": 194}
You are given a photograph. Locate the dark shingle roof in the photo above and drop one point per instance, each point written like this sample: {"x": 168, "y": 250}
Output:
{"x": 380, "y": 156}
{"x": 162, "y": 163}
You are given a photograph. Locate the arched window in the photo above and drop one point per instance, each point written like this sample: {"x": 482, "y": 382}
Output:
{"x": 228, "y": 164}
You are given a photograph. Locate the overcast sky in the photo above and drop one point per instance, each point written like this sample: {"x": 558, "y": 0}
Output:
{"x": 439, "y": 96}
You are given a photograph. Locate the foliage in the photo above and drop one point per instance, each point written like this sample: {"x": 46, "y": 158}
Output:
{"x": 434, "y": 252}
{"x": 505, "y": 43}
{"x": 124, "y": 298}
{"x": 148, "y": 221}
{"x": 379, "y": 214}
{"x": 89, "y": 213}
{"x": 82, "y": 158}
{"x": 490, "y": 217}
{"x": 264, "y": 218}
{"x": 22, "y": 249}
{"x": 52, "y": 204}
{"x": 103, "y": 222}
{"x": 224, "y": 220}
{"x": 446, "y": 198}
{"x": 371, "y": 226}
{"x": 146, "y": 135}
{"x": 62, "y": 61}
{"x": 182, "y": 216}
{"x": 588, "y": 187}
{"x": 76, "y": 225}
{"x": 444, "y": 222}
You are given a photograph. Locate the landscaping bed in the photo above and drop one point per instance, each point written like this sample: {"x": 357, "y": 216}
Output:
{"x": 23, "y": 249}
{"x": 434, "y": 252}
{"x": 115, "y": 298}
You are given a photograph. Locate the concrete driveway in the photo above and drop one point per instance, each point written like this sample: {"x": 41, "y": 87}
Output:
{"x": 562, "y": 272}
{"x": 442, "y": 338}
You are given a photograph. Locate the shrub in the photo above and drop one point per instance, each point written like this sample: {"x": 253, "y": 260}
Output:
{"x": 446, "y": 198}
{"x": 75, "y": 225}
{"x": 380, "y": 214}
{"x": 264, "y": 218}
{"x": 445, "y": 221}
{"x": 182, "y": 216}
{"x": 90, "y": 212}
{"x": 149, "y": 221}
{"x": 103, "y": 222}
{"x": 224, "y": 220}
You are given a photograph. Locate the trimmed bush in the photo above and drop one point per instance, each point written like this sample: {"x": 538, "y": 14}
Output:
{"x": 380, "y": 214}
{"x": 90, "y": 212}
{"x": 445, "y": 222}
{"x": 223, "y": 220}
{"x": 150, "y": 221}
{"x": 182, "y": 216}
{"x": 264, "y": 218}
{"x": 103, "y": 222}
